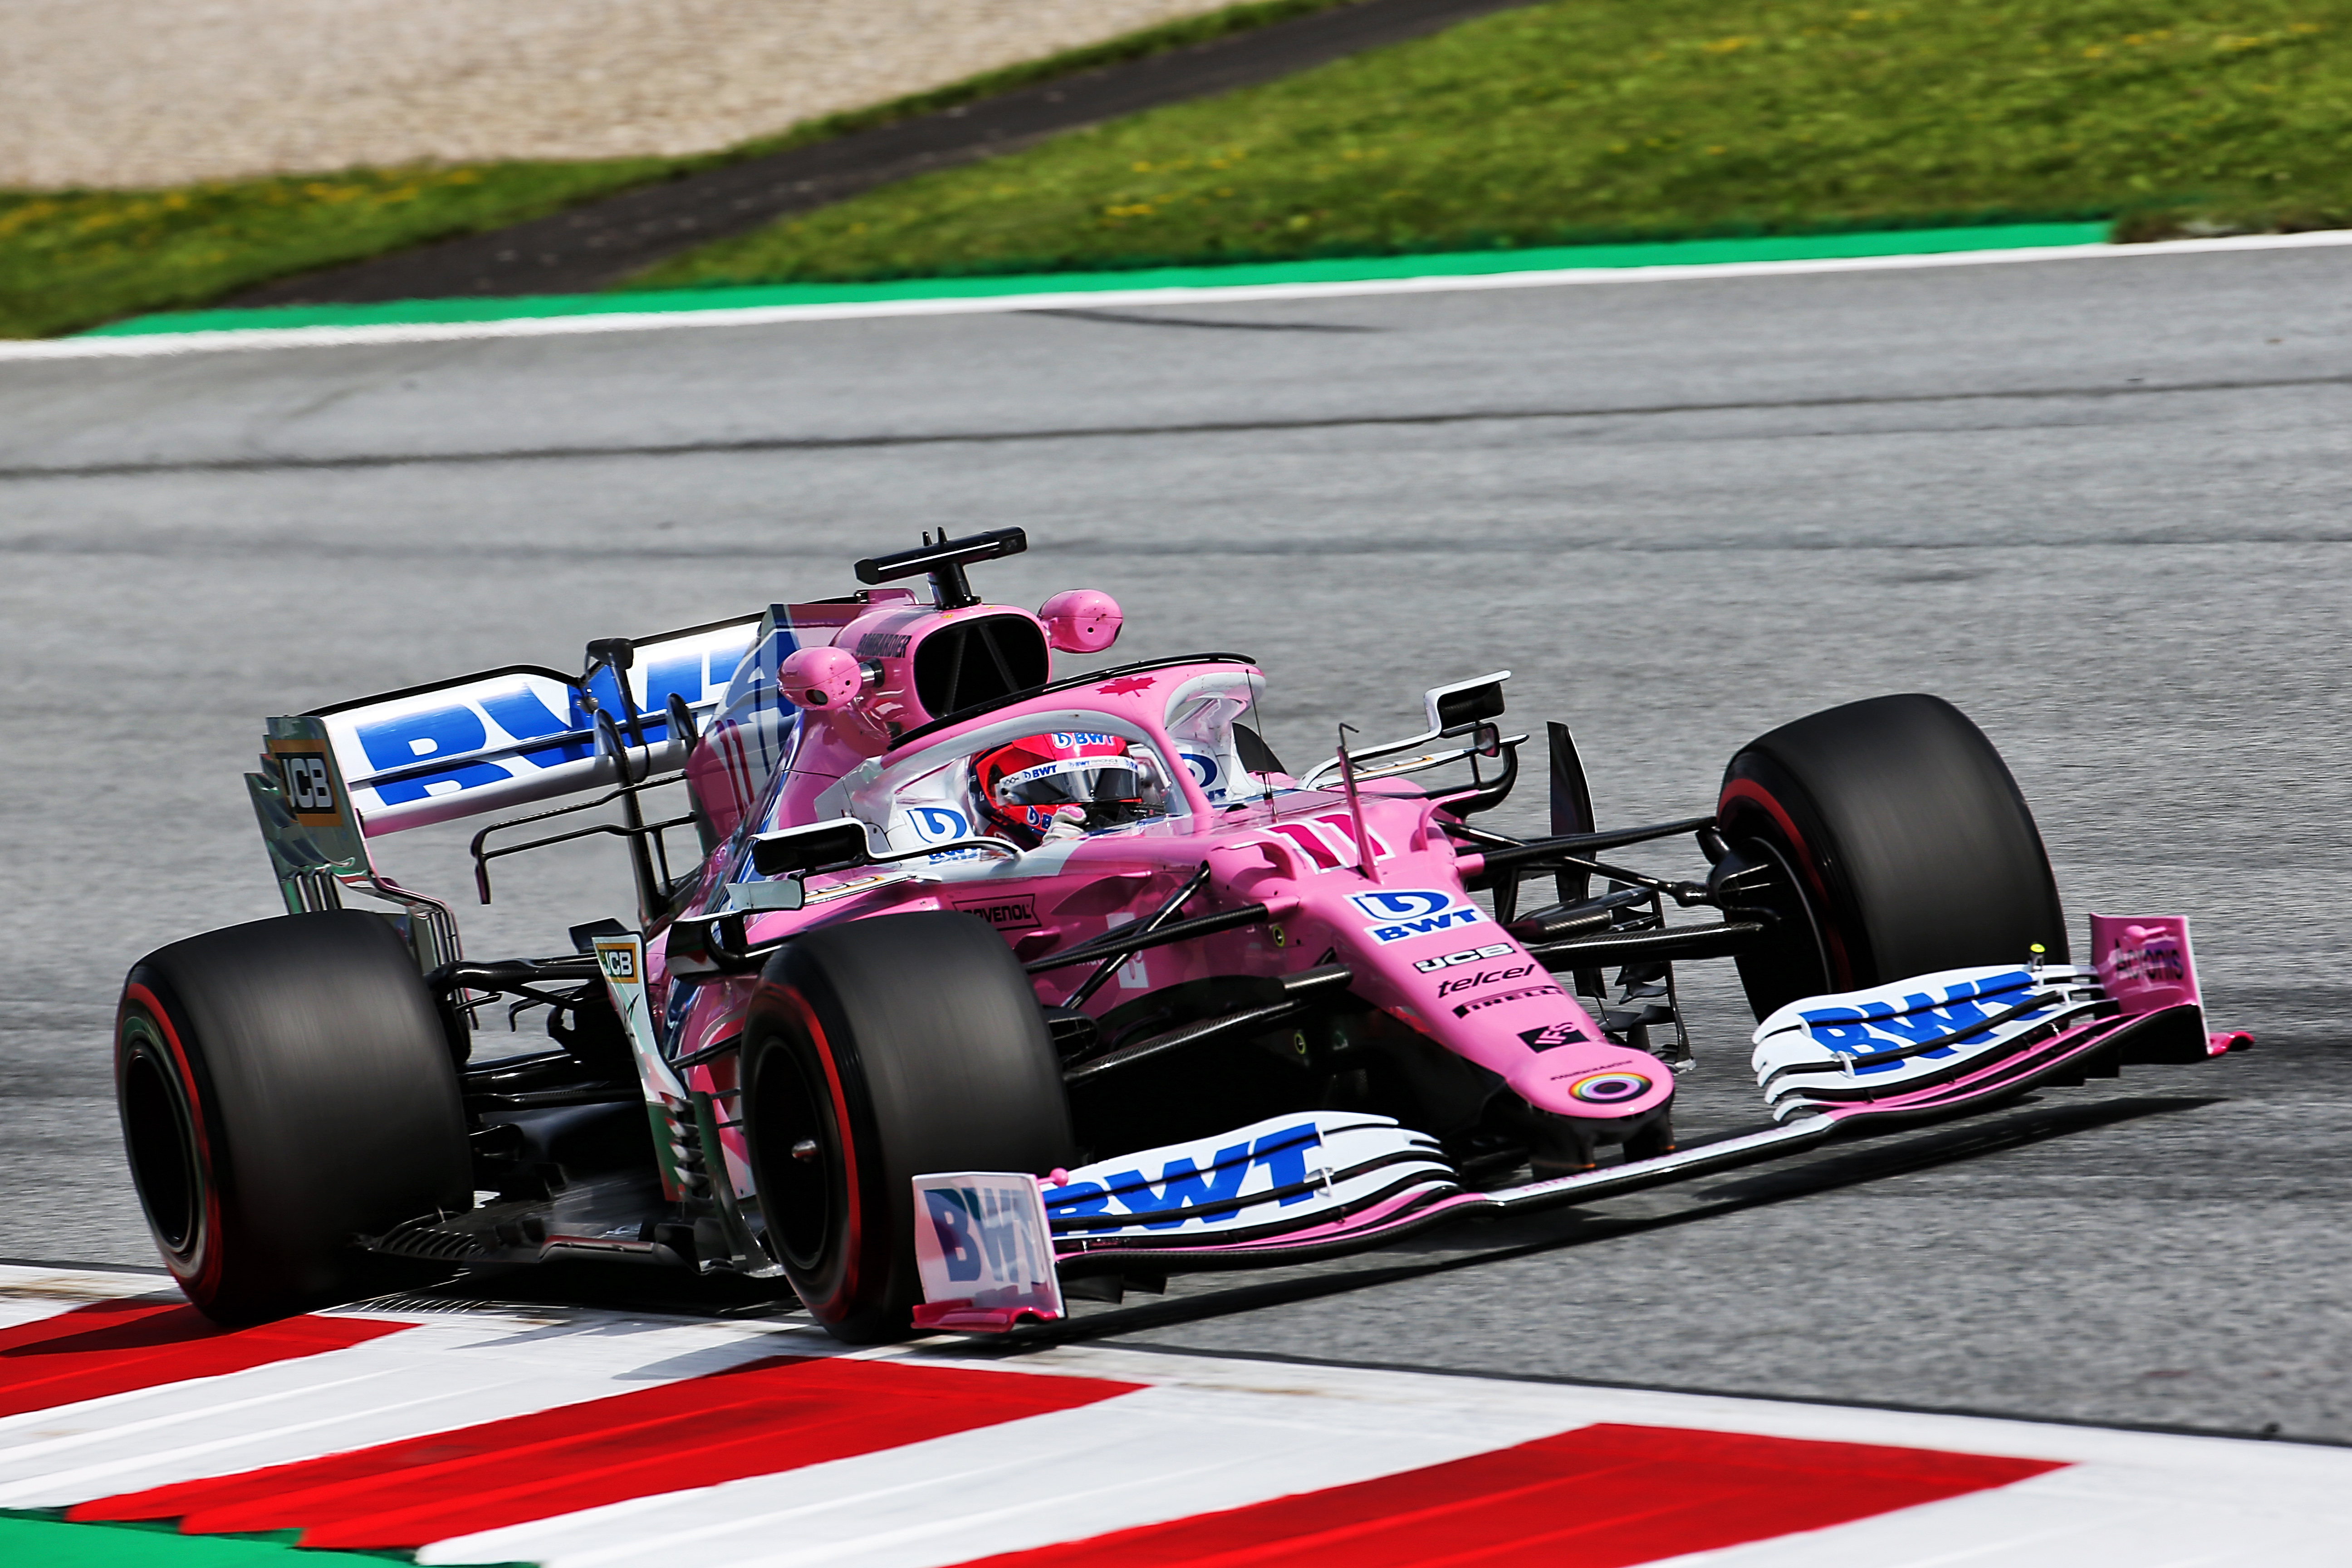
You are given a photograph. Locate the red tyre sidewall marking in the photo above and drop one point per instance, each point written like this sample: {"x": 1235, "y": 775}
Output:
{"x": 853, "y": 1242}
{"x": 1756, "y": 794}
{"x": 208, "y": 1252}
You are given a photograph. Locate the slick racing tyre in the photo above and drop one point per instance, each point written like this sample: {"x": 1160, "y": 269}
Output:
{"x": 874, "y": 1051}
{"x": 1888, "y": 839}
{"x": 285, "y": 1086}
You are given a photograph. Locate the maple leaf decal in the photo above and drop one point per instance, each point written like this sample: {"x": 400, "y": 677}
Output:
{"x": 1126, "y": 684}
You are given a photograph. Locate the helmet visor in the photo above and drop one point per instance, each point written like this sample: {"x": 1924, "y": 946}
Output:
{"x": 1077, "y": 782}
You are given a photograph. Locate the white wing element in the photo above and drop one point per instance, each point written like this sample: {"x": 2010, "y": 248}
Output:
{"x": 1281, "y": 1175}
{"x": 1888, "y": 1040}
{"x": 482, "y": 742}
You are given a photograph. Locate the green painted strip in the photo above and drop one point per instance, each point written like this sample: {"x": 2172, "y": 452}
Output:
{"x": 33, "y": 1540}
{"x": 39, "y": 1537}
{"x": 1336, "y": 270}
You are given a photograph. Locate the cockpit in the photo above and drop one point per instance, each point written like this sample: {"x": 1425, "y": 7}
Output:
{"x": 1044, "y": 776}
{"x": 1065, "y": 784}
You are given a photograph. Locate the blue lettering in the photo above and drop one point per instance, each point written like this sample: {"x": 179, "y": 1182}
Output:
{"x": 1425, "y": 926}
{"x": 724, "y": 662}
{"x": 1077, "y": 1198}
{"x": 521, "y": 714}
{"x": 1927, "y": 1021}
{"x": 2016, "y": 979}
{"x": 938, "y": 824}
{"x": 1853, "y": 1039}
{"x": 607, "y": 693}
{"x": 1000, "y": 1231}
{"x": 679, "y": 677}
{"x": 437, "y": 731}
{"x": 1404, "y": 905}
{"x": 392, "y": 744}
{"x": 1284, "y": 1155}
{"x": 1183, "y": 1185}
{"x": 953, "y": 1226}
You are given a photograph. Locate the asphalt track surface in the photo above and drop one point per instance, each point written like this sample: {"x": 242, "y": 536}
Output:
{"x": 2099, "y": 505}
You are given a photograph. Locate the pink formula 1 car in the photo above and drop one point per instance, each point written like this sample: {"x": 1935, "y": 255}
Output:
{"x": 985, "y": 982}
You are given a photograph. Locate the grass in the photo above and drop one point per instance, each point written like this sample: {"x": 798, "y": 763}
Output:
{"x": 75, "y": 258}
{"x": 1593, "y": 120}
{"x": 1573, "y": 121}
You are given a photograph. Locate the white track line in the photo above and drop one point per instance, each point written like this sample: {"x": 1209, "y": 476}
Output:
{"x": 1162, "y": 1454}
{"x": 1204, "y": 1433}
{"x": 448, "y": 1371}
{"x": 169, "y": 343}
{"x": 1212, "y": 1435}
{"x": 437, "y": 1377}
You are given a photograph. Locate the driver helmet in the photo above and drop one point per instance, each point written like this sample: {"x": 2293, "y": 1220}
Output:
{"x": 1066, "y": 781}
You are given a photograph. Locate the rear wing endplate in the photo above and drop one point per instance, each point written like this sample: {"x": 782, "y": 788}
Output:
{"x": 316, "y": 845}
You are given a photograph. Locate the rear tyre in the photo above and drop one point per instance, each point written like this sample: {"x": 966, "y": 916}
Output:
{"x": 874, "y": 1051}
{"x": 285, "y": 1086}
{"x": 1889, "y": 839}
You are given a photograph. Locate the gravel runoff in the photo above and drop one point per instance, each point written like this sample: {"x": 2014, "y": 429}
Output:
{"x": 129, "y": 93}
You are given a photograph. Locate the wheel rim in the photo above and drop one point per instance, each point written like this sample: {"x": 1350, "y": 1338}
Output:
{"x": 1794, "y": 960}
{"x": 801, "y": 1197}
{"x": 159, "y": 1131}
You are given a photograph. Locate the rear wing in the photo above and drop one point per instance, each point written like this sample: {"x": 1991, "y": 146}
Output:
{"x": 508, "y": 737}
{"x": 333, "y": 778}
{"x": 341, "y": 775}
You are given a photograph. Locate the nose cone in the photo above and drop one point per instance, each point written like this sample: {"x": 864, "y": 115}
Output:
{"x": 1595, "y": 1082}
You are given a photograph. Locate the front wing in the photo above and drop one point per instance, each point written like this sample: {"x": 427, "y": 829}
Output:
{"x": 1324, "y": 1184}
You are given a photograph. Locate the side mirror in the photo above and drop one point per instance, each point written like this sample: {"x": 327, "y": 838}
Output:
{"x": 799, "y": 850}
{"x": 1082, "y": 620}
{"x": 1465, "y": 702}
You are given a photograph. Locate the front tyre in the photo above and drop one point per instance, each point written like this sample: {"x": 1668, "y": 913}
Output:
{"x": 1888, "y": 839}
{"x": 285, "y": 1086}
{"x": 876, "y": 1051}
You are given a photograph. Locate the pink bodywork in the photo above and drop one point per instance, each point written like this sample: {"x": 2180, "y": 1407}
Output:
{"x": 2145, "y": 964}
{"x": 1466, "y": 985}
